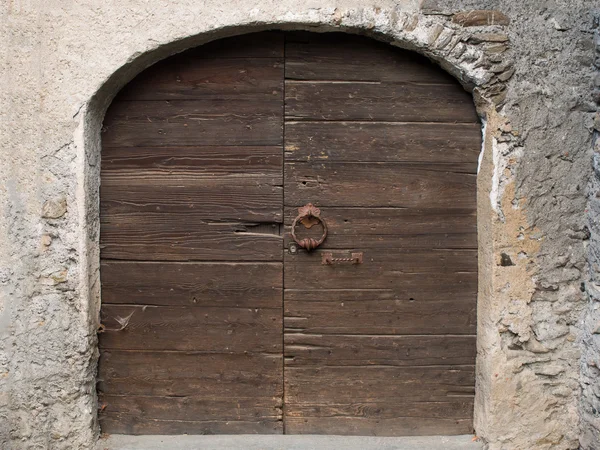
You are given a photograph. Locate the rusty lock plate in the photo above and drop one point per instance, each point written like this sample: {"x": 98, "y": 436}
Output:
{"x": 328, "y": 259}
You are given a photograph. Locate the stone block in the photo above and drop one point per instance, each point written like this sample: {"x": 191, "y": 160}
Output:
{"x": 480, "y": 17}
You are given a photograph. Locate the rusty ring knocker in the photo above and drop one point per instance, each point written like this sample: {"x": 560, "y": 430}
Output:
{"x": 309, "y": 211}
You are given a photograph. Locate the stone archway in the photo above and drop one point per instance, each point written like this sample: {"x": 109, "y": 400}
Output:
{"x": 202, "y": 173}
{"x": 473, "y": 61}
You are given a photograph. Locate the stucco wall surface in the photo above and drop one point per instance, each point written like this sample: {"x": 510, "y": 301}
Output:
{"x": 530, "y": 65}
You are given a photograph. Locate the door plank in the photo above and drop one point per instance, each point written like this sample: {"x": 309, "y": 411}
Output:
{"x": 193, "y": 408}
{"x": 240, "y": 164}
{"x": 191, "y": 328}
{"x": 398, "y": 185}
{"x": 212, "y": 201}
{"x": 166, "y": 237}
{"x": 377, "y": 101}
{"x": 344, "y": 57}
{"x": 187, "y": 77}
{"x": 120, "y": 423}
{"x": 383, "y": 228}
{"x": 177, "y": 374}
{"x": 376, "y": 317}
{"x": 381, "y": 268}
{"x": 455, "y": 408}
{"x": 455, "y": 145}
{"x": 310, "y": 350}
{"x": 398, "y": 426}
{"x": 264, "y": 44}
{"x": 254, "y": 121}
{"x": 350, "y": 384}
{"x": 252, "y": 285}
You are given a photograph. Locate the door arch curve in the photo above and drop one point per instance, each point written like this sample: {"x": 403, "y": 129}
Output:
{"x": 165, "y": 136}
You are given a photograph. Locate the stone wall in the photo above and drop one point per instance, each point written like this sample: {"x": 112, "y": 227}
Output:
{"x": 530, "y": 67}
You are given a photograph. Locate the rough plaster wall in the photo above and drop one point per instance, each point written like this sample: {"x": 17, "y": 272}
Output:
{"x": 590, "y": 362}
{"x": 534, "y": 176}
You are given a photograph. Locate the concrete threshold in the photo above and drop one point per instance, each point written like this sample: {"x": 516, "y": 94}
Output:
{"x": 288, "y": 442}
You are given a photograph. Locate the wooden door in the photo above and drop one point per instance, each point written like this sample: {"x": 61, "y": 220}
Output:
{"x": 191, "y": 207}
{"x": 386, "y": 145}
{"x": 206, "y": 158}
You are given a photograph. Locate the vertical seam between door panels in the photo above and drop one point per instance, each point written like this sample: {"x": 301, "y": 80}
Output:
{"x": 283, "y": 244}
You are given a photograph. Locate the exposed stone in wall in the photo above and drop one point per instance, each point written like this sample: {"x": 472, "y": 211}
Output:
{"x": 530, "y": 67}
{"x": 590, "y": 361}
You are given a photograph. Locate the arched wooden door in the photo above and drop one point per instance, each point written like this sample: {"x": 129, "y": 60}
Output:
{"x": 216, "y": 321}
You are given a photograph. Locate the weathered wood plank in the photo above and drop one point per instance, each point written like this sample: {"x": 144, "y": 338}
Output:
{"x": 207, "y": 375}
{"x": 255, "y": 122}
{"x": 455, "y": 145}
{"x": 343, "y": 57}
{"x": 243, "y": 164}
{"x": 211, "y": 198}
{"x": 385, "y": 267}
{"x": 384, "y": 228}
{"x": 191, "y": 78}
{"x": 452, "y": 408}
{"x": 193, "y": 408}
{"x": 398, "y": 185}
{"x": 358, "y": 400}
{"x": 308, "y": 350}
{"x": 378, "y": 102}
{"x": 333, "y": 315}
{"x": 252, "y": 285}
{"x": 401, "y": 287}
{"x": 120, "y": 423}
{"x": 358, "y": 426}
{"x": 191, "y": 328}
{"x": 376, "y": 384}
{"x": 264, "y": 44}
{"x": 179, "y": 237}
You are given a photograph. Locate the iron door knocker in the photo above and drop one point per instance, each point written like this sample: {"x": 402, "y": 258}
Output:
{"x": 309, "y": 215}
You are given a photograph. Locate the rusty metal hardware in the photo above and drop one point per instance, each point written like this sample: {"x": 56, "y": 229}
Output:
{"x": 328, "y": 259}
{"x": 309, "y": 215}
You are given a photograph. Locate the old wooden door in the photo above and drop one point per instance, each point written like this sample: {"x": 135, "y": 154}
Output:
{"x": 216, "y": 321}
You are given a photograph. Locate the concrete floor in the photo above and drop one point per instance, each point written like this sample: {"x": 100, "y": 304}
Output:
{"x": 266, "y": 442}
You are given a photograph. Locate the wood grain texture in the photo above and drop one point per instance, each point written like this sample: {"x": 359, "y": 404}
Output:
{"x": 193, "y": 408}
{"x": 166, "y": 237}
{"x": 382, "y": 268}
{"x": 383, "y": 228}
{"x": 369, "y": 404}
{"x": 343, "y": 57}
{"x": 308, "y": 350}
{"x": 168, "y": 210}
{"x": 186, "y": 77}
{"x": 240, "y": 164}
{"x": 211, "y": 200}
{"x": 397, "y": 426}
{"x": 454, "y": 145}
{"x": 398, "y": 185}
{"x": 191, "y": 328}
{"x": 191, "y": 171}
{"x": 252, "y": 285}
{"x": 367, "y": 101}
{"x": 121, "y": 423}
{"x": 224, "y": 122}
{"x": 264, "y": 44}
{"x": 371, "y": 316}
{"x": 179, "y": 374}
{"x": 194, "y": 181}
{"x": 343, "y": 384}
